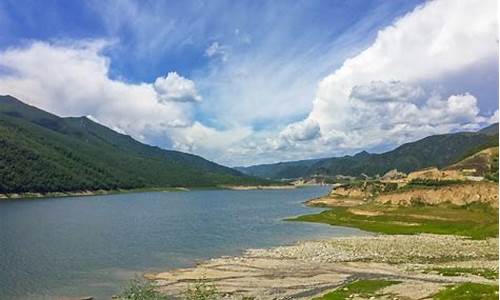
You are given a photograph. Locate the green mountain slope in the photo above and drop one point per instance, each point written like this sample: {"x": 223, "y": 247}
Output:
{"x": 292, "y": 169}
{"x": 437, "y": 150}
{"x": 41, "y": 152}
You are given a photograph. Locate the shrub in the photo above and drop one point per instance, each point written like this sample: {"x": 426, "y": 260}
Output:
{"x": 201, "y": 291}
{"x": 141, "y": 290}
{"x": 432, "y": 182}
{"x": 390, "y": 187}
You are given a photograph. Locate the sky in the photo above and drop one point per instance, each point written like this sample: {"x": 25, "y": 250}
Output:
{"x": 248, "y": 82}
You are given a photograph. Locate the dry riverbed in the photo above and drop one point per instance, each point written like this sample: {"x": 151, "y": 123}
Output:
{"x": 312, "y": 268}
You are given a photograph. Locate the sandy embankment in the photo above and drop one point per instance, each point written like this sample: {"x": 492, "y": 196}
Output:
{"x": 311, "y": 268}
{"x": 459, "y": 194}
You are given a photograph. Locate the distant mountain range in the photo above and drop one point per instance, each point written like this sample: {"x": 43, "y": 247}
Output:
{"x": 437, "y": 150}
{"x": 41, "y": 152}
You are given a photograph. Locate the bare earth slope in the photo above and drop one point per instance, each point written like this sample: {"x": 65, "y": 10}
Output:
{"x": 460, "y": 194}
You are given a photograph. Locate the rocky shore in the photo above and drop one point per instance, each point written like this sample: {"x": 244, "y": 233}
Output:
{"x": 312, "y": 268}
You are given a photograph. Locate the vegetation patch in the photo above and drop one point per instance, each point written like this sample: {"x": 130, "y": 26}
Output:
{"x": 468, "y": 291}
{"x": 360, "y": 288}
{"x": 492, "y": 173}
{"x": 417, "y": 182}
{"x": 141, "y": 290}
{"x": 457, "y": 271}
{"x": 201, "y": 290}
{"x": 477, "y": 221}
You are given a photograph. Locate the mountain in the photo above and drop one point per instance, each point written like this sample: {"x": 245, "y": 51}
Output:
{"x": 437, "y": 150}
{"x": 291, "y": 169}
{"x": 490, "y": 130}
{"x": 41, "y": 152}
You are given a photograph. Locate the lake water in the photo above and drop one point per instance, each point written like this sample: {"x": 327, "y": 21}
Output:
{"x": 91, "y": 246}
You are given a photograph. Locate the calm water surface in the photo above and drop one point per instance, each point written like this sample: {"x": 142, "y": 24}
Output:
{"x": 91, "y": 246}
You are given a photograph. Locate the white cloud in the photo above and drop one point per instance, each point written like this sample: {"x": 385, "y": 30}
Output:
{"x": 72, "y": 80}
{"x": 199, "y": 138}
{"x": 174, "y": 87}
{"x": 378, "y": 97}
{"x": 301, "y": 131}
{"x": 386, "y": 91}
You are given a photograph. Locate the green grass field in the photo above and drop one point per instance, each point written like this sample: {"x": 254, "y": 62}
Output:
{"x": 362, "y": 288}
{"x": 468, "y": 291}
{"x": 476, "y": 221}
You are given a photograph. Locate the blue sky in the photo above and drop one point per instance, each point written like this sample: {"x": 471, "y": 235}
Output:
{"x": 154, "y": 37}
{"x": 243, "y": 82}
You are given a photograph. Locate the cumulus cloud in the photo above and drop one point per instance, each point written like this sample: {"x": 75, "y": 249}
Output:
{"x": 386, "y": 91}
{"x": 393, "y": 91}
{"x": 301, "y": 131}
{"x": 71, "y": 79}
{"x": 199, "y": 138}
{"x": 174, "y": 87}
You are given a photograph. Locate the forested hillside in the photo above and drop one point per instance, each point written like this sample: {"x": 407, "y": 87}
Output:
{"x": 41, "y": 152}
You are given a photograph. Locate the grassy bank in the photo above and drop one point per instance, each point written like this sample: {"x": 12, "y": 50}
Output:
{"x": 371, "y": 289}
{"x": 477, "y": 221}
{"x": 468, "y": 291}
{"x": 360, "y": 288}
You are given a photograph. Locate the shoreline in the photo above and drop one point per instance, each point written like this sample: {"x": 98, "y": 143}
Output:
{"x": 36, "y": 195}
{"x": 90, "y": 193}
{"x": 408, "y": 266}
{"x": 311, "y": 268}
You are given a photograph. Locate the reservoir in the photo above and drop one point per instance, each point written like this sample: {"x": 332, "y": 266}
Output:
{"x": 92, "y": 246}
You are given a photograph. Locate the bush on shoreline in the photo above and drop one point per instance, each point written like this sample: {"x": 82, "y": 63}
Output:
{"x": 138, "y": 289}
{"x": 201, "y": 290}
{"x": 141, "y": 290}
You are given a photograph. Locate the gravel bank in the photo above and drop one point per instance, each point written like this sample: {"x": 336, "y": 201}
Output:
{"x": 387, "y": 248}
{"x": 312, "y": 268}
